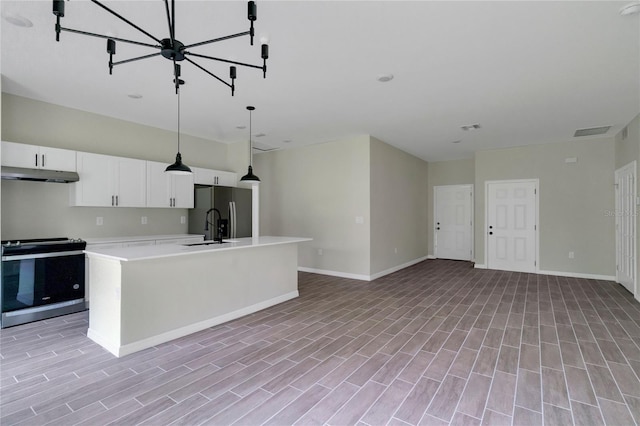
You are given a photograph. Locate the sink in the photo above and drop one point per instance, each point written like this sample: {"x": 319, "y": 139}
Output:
{"x": 205, "y": 243}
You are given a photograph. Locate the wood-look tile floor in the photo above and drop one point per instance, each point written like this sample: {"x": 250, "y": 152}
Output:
{"x": 436, "y": 343}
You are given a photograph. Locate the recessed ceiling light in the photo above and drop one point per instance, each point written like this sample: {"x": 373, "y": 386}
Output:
{"x": 287, "y": 141}
{"x": 259, "y": 135}
{"x": 383, "y": 78}
{"x": 470, "y": 127}
{"x": 458, "y": 141}
{"x": 241, "y": 127}
{"x": 17, "y": 20}
{"x": 135, "y": 95}
{"x": 631, "y": 9}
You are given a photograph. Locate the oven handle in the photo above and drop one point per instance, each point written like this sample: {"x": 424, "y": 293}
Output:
{"x": 41, "y": 255}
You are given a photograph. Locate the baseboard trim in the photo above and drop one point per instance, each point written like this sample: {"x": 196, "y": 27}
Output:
{"x": 431, "y": 256}
{"x": 362, "y": 277}
{"x": 334, "y": 273}
{"x": 564, "y": 274}
{"x": 579, "y": 275}
{"x": 397, "y": 268}
{"x": 122, "y": 350}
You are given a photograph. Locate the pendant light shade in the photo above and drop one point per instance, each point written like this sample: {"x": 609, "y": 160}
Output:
{"x": 178, "y": 168}
{"x": 250, "y": 177}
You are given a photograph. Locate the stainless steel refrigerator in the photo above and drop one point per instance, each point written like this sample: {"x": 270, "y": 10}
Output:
{"x": 234, "y": 205}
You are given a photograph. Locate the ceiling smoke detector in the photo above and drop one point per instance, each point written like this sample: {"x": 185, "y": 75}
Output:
{"x": 17, "y": 20}
{"x": 593, "y": 131}
{"x": 631, "y": 9}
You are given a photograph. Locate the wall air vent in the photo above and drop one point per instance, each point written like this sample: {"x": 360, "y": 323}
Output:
{"x": 592, "y": 131}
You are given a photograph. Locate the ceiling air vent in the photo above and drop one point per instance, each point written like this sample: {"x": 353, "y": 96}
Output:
{"x": 262, "y": 147}
{"x": 592, "y": 131}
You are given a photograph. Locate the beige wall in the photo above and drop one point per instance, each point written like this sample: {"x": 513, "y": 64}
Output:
{"x": 458, "y": 172}
{"x": 573, "y": 198}
{"x": 33, "y": 209}
{"x": 317, "y": 191}
{"x": 398, "y": 207}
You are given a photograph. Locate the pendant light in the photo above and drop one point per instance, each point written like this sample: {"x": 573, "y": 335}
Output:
{"x": 178, "y": 168}
{"x": 250, "y": 177}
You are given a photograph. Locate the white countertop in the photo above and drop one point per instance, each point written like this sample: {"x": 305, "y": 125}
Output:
{"x": 106, "y": 240}
{"x": 169, "y": 250}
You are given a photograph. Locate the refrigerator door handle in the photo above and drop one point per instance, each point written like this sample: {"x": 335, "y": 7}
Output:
{"x": 232, "y": 219}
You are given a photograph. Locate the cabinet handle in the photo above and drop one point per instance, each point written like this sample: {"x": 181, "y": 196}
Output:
{"x": 36, "y": 160}
{"x": 117, "y": 200}
{"x": 112, "y": 204}
{"x": 42, "y": 160}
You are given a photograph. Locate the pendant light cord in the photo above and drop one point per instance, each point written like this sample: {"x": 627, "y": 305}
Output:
{"x": 250, "y": 142}
{"x": 178, "y": 120}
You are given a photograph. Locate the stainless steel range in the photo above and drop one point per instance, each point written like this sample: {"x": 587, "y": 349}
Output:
{"x": 41, "y": 278}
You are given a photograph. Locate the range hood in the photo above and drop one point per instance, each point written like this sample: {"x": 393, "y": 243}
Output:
{"x": 38, "y": 175}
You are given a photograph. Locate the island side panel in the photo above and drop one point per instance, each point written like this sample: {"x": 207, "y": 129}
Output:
{"x": 105, "y": 312}
{"x": 163, "y": 299}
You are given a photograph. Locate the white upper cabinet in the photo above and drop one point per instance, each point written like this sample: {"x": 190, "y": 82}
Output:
{"x": 214, "y": 177}
{"x": 107, "y": 181}
{"x": 38, "y": 157}
{"x": 167, "y": 190}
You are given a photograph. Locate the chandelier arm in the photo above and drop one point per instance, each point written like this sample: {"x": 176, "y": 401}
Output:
{"x": 222, "y": 60}
{"x": 124, "y": 40}
{"x": 207, "y": 71}
{"x": 214, "y": 40}
{"x": 171, "y": 27}
{"x": 125, "y": 20}
{"x": 135, "y": 59}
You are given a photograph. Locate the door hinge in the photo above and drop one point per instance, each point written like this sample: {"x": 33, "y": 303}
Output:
{"x": 535, "y": 191}
{"x": 535, "y": 263}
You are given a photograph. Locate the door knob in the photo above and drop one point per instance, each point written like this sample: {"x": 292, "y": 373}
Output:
{"x": 438, "y": 228}
{"x": 490, "y": 233}
{"x": 490, "y": 227}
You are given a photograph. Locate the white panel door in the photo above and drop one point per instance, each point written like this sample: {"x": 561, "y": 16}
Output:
{"x": 625, "y": 213}
{"x": 512, "y": 225}
{"x": 453, "y": 224}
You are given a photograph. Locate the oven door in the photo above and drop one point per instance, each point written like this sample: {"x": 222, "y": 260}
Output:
{"x": 41, "y": 279}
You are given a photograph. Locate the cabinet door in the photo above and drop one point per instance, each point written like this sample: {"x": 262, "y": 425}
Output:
{"x": 159, "y": 191}
{"x": 183, "y": 191}
{"x": 203, "y": 176}
{"x": 132, "y": 182}
{"x": 19, "y": 155}
{"x": 57, "y": 159}
{"x": 227, "y": 179}
{"x": 95, "y": 187}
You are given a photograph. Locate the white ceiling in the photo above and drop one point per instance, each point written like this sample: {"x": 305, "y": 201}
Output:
{"x": 527, "y": 72}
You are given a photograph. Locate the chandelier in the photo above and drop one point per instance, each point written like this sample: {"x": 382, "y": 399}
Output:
{"x": 170, "y": 48}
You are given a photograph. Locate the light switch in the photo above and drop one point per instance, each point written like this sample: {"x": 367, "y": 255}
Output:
{"x": 143, "y": 220}
{"x": 99, "y": 220}
{"x": 359, "y": 220}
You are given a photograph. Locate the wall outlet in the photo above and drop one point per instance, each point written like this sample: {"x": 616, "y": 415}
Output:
{"x": 99, "y": 220}
{"x": 183, "y": 219}
{"x": 572, "y": 255}
{"x": 319, "y": 252}
{"x": 395, "y": 250}
{"x": 143, "y": 220}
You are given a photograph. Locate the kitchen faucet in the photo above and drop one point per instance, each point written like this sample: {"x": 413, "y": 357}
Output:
{"x": 219, "y": 228}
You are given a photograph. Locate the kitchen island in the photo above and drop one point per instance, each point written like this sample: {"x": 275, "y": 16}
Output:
{"x": 144, "y": 296}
